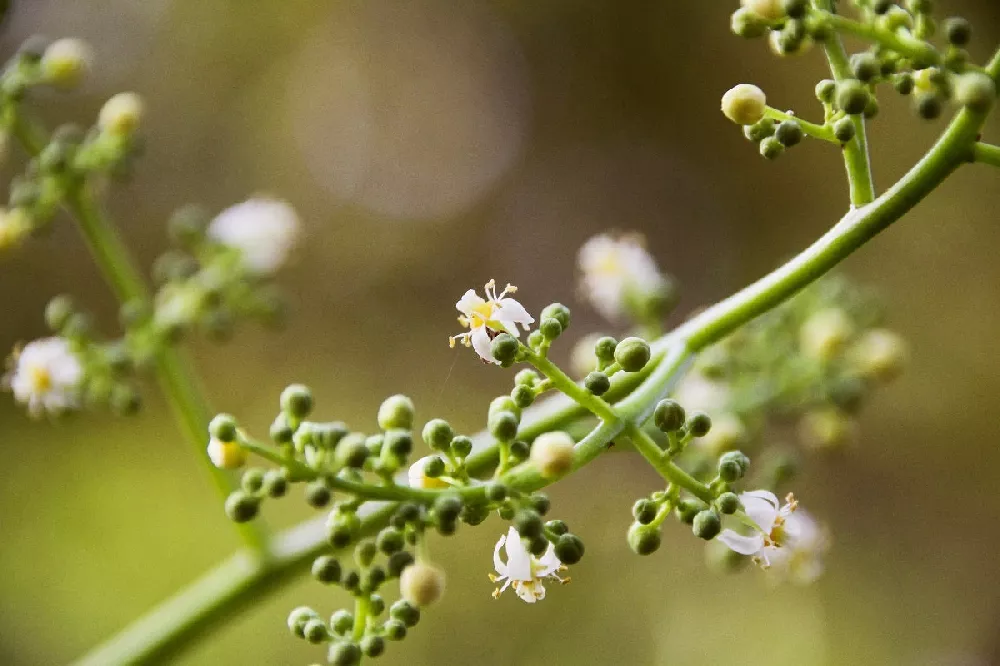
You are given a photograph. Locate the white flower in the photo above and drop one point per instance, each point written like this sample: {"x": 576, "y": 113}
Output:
{"x": 226, "y": 455}
{"x": 46, "y": 377}
{"x": 524, "y": 571}
{"x": 789, "y": 541}
{"x": 616, "y": 271}
{"x": 264, "y": 230}
{"x": 486, "y": 318}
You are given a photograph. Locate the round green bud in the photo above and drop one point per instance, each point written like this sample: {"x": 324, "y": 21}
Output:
{"x": 433, "y": 467}
{"x": 504, "y": 348}
{"x": 297, "y": 401}
{"x": 372, "y": 646}
{"x": 297, "y": 620}
{"x": 523, "y": 396}
{"x": 928, "y": 105}
{"x": 398, "y": 562}
{"x": 275, "y": 483}
{"x": 328, "y": 435}
{"x": 643, "y": 539}
{"x": 538, "y": 546}
{"x": 552, "y": 454}
{"x": 398, "y": 443}
{"x": 405, "y": 612}
{"x": 556, "y": 311}
{"x": 241, "y": 507}
{"x": 550, "y": 328}
{"x": 437, "y": 434}
{"x": 318, "y": 495}
{"x": 326, "y": 569}
{"x": 281, "y": 430}
{"x": 976, "y": 91}
{"x": 351, "y": 453}
{"x": 728, "y": 503}
{"x": 396, "y": 412}
{"x": 789, "y": 133}
{"x": 447, "y": 508}
{"x": 872, "y": 109}
{"x": 373, "y": 579}
{"x": 597, "y": 383}
{"x": 519, "y": 451}
{"x": 847, "y": 393}
{"x": 556, "y": 527}
{"x": 121, "y": 115}
{"x": 125, "y": 400}
{"x": 795, "y": 9}
{"x": 744, "y": 104}
{"x": 771, "y": 148}
{"x": 507, "y": 511}
{"x": 394, "y": 630}
{"x": 957, "y": 31}
{"x": 376, "y": 605}
{"x": 421, "y": 584}
{"x": 346, "y": 653}
{"x": 58, "y": 312}
{"x": 632, "y": 354}
{"x": 504, "y": 403}
{"x": 744, "y": 23}
{"x": 223, "y": 428}
{"x": 526, "y": 377}
{"x": 365, "y": 552}
{"x": 528, "y": 523}
{"x": 342, "y": 621}
{"x": 865, "y": 66}
{"x": 351, "y": 581}
{"x": 759, "y": 130}
{"x": 879, "y": 354}
{"x": 569, "y": 549}
{"x": 390, "y": 540}
{"x": 315, "y": 631}
{"x": 461, "y": 446}
{"x": 733, "y": 465}
{"x": 186, "y": 226}
{"x": 699, "y": 424}
{"x": 706, "y": 525}
{"x": 408, "y": 512}
{"x": 903, "y": 83}
{"x": 604, "y": 349}
{"x": 688, "y": 508}
{"x": 474, "y": 514}
{"x": 252, "y": 480}
{"x": 540, "y": 502}
{"x": 535, "y": 339}
{"x": 852, "y": 96}
{"x": 496, "y": 491}
{"x": 844, "y": 129}
{"x": 503, "y": 426}
{"x": 771, "y": 10}
{"x": 668, "y": 416}
{"x": 881, "y": 6}
{"x": 644, "y": 511}
{"x": 65, "y": 62}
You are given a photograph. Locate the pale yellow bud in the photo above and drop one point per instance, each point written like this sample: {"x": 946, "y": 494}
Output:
{"x": 744, "y": 104}
{"x": 825, "y": 334}
{"x": 552, "y": 454}
{"x": 827, "y": 429}
{"x": 65, "y": 62}
{"x": 880, "y": 354}
{"x": 122, "y": 114}
{"x": 421, "y": 584}
{"x": 14, "y": 227}
{"x": 226, "y": 455}
{"x": 766, "y": 9}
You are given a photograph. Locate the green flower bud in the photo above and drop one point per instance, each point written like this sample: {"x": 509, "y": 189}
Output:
{"x": 795, "y": 9}
{"x": 526, "y": 377}
{"x": 744, "y": 104}
{"x": 733, "y": 465}
{"x": 879, "y": 354}
{"x": 844, "y": 130}
{"x": 396, "y": 412}
{"x": 121, "y": 115}
{"x": 644, "y": 511}
{"x": 351, "y": 453}
{"x": 872, "y": 109}
{"x": 281, "y": 431}
{"x": 744, "y": 23}
{"x": 538, "y": 546}
{"x": 405, "y": 612}
{"x": 372, "y": 646}
{"x": 771, "y": 148}
{"x": 125, "y": 400}
{"x": 976, "y": 91}
{"x": 58, "y": 312}
{"x": 528, "y": 523}
{"x": 461, "y": 446}
{"x": 318, "y": 495}
{"x": 550, "y": 328}
{"x": 398, "y": 562}
{"x": 326, "y": 569}
{"x": 297, "y": 401}
{"x": 351, "y": 581}
{"x": 852, "y": 96}
{"x": 275, "y": 483}
{"x": 503, "y": 426}
{"x": 604, "y": 349}
{"x": 632, "y": 354}
{"x": 474, "y": 514}
{"x": 928, "y": 105}
{"x": 728, "y": 503}
{"x": 433, "y": 467}
{"x": 699, "y": 424}
{"x": 223, "y": 428}
{"x": 447, "y": 507}
{"x": 556, "y": 527}
{"x": 315, "y": 631}
{"x": 706, "y": 525}
{"x": 552, "y": 454}
{"x": 643, "y": 539}
{"x": 771, "y": 10}
{"x": 390, "y": 540}
{"x": 504, "y": 348}
{"x": 669, "y": 415}
{"x": 365, "y": 552}
{"x": 535, "y": 339}
{"x": 398, "y": 443}
{"x": 507, "y": 511}
{"x": 759, "y": 130}
{"x": 329, "y": 435}
{"x": 519, "y": 451}
{"x": 297, "y": 620}
{"x": 569, "y": 549}
{"x": 523, "y": 396}
{"x": 376, "y": 605}
{"x": 597, "y": 383}
{"x": 824, "y": 334}
{"x": 957, "y": 31}
{"x": 504, "y": 403}
{"x": 865, "y": 66}
{"x": 495, "y": 491}
{"x": 421, "y": 584}
{"x": 394, "y": 630}
{"x": 346, "y": 653}
{"x": 252, "y": 480}
{"x": 789, "y": 133}
{"x": 557, "y": 311}
{"x": 342, "y": 621}
{"x": 65, "y": 62}
{"x": 373, "y": 579}
{"x": 688, "y": 508}
{"x": 880, "y": 7}
{"x": 241, "y": 507}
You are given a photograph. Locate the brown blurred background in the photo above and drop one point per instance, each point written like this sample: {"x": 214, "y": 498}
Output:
{"x": 430, "y": 145}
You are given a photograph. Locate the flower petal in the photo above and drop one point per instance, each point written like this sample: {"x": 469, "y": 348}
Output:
{"x": 468, "y": 302}
{"x": 518, "y": 558}
{"x": 498, "y": 564}
{"x": 761, "y": 506}
{"x": 744, "y": 545}
{"x": 510, "y": 311}
{"x": 481, "y": 343}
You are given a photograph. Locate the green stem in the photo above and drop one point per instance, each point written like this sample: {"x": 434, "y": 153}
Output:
{"x": 910, "y": 47}
{"x": 812, "y": 129}
{"x": 362, "y": 607}
{"x": 561, "y": 381}
{"x": 986, "y": 153}
{"x": 645, "y": 445}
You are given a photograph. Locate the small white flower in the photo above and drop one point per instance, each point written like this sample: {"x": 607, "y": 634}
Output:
{"x": 486, "y": 318}
{"x": 418, "y": 479}
{"x": 525, "y": 572}
{"x": 263, "y": 230}
{"x": 789, "y": 541}
{"x": 46, "y": 377}
{"x": 616, "y": 271}
{"x": 226, "y": 455}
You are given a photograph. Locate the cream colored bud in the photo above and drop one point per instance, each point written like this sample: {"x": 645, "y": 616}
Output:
{"x": 744, "y": 104}
{"x": 421, "y": 584}
{"x": 14, "y": 227}
{"x": 552, "y": 454}
{"x": 880, "y": 354}
{"x": 771, "y": 10}
{"x": 65, "y": 62}
{"x": 226, "y": 455}
{"x": 827, "y": 429}
{"x": 418, "y": 479}
{"x": 727, "y": 434}
{"x": 825, "y": 334}
{"x": 122, "y": 114}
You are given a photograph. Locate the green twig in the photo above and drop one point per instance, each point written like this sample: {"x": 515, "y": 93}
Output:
{"x": 986, "y": 153}
{"x": 822, "y": 132}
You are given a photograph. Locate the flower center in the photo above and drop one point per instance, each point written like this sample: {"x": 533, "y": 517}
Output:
{"x": 481, "y": 314}
{"x": 41, "y": 379}
{"x": 609, "y": 264}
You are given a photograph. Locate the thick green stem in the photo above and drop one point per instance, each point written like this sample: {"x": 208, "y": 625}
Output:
{"x": 915, "y": 49}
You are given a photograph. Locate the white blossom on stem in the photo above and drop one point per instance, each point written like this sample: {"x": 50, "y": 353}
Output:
{"x": 46, "y": 377}
{"x": 617, "y": 271}
{"x": 486, "y": 318}
{"x": 522, "y": 570}
{"x": 264, "y": 230}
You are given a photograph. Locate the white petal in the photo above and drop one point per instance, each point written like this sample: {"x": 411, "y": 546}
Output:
{"x": 468, "y": 302}
{"x": 549, "y": 563}
{"x": 530, "y": 592}
{"x": 510, "y": 310}
{"x": 498, "y": 564}
{"x": 518, "y": 558}
{"x": 744, "y": 545}
{"x": 481, "y": 343}
{"x": 762, "y": 508}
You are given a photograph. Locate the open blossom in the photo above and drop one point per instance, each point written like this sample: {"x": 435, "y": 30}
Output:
{"x": 523, "y": 571}
{"x": 789, "y": 540}
{"x": 417, "y": 478}
{"x": 263, "y": 230}
{"x": 485, "y": 318}
{"x": 46, "y": 377}
{"x": 617, "y": 271}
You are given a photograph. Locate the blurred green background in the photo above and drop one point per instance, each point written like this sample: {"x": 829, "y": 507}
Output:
{"x": 430, "y": 145}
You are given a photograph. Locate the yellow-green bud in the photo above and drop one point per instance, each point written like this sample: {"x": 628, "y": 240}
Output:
{"x": 827, "y": 429}
{"x": 772, "y": 10}
{"x": 396, "y": 412}
{"x": 552, "y": 454}
{"x": 880, "y": 354}
{"x": 824, "y": 334}
{"x": 421, "y": 584}
{"x": 121, "y": 115}
{"x": 976, "y": 91}
{"x": 65, "y": 62}
{"x": 744, "y": 104}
